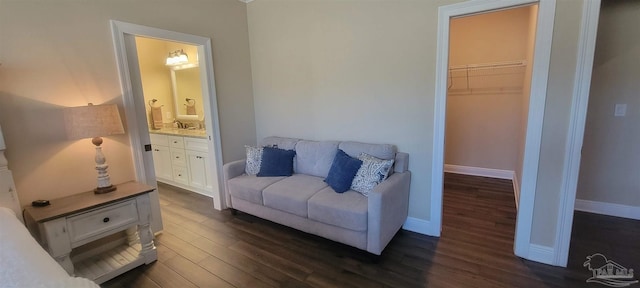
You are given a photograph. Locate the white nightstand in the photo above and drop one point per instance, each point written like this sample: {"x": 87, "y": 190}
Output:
{"x": 73, "y": 221}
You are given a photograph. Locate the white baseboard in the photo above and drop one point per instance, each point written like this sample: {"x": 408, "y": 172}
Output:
{"x": 516, "y": 190}
{"x": 611, "y": 209}
{"x": 478, "y": 171}
{"x": 420, "y": 226}
{"x": 542, "y": 254}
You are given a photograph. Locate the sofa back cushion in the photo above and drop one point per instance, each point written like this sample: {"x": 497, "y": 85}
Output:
{"x": 279, "y": 142}
{"x": 382, "y": 151}
{"x": 315, "y": 157}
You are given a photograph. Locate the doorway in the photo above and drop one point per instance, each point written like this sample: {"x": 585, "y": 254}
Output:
{"x": 489, "y": 80}
{"x": 175, "y": 114}
{"x": 135, "y": 107}
{"x": 544, "y": 30}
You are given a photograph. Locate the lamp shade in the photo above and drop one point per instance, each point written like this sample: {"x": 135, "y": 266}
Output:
{"x": 2, "y": 145}
{"x": 92, "y": 121}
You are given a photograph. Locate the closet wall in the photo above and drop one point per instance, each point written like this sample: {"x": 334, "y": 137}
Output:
{"x": 485, "y": 105}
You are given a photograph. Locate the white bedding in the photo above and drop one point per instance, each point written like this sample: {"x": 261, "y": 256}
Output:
{"x": 23, "y": 262}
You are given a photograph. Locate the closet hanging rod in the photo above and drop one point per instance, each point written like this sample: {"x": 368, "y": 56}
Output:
{"x": 506, "y": 64}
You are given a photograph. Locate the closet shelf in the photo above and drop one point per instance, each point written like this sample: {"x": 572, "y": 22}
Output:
{"x": 500, "y": 77}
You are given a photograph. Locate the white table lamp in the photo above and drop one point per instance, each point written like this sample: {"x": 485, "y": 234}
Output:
{"x": 95, "y": 121}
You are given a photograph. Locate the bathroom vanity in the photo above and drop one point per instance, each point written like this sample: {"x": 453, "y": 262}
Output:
{"x": 182, "y": 159}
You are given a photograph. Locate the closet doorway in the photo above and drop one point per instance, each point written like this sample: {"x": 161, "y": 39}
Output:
{"x": 523, "y": 246}
{"x": 488, "y": 87}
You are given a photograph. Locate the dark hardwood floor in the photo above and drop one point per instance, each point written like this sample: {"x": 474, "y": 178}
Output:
{"x": 201, "y": 247}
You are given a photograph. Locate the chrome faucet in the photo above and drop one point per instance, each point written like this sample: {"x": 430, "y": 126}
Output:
{"x": 180, "y": 124}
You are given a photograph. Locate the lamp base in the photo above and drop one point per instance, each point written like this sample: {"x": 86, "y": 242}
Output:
{"x": 102, "y": 190}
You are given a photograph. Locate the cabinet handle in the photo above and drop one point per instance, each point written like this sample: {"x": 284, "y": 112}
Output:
{"x": 179, "y": 175}
{"x": 156, "y": 150}
{"x": 105, "y": 220}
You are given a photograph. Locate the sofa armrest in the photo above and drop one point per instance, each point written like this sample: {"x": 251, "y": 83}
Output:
{"x": 230, "y": 171}
{"x": 388, "y": 210}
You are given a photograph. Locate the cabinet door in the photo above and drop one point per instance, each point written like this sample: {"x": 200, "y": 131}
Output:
{"x": 198, "y": 163}
{"x": 162, "y": 162}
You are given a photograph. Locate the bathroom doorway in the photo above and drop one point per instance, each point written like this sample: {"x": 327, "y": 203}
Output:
{"x": 172, "y": 88}
{"x": 124, "y": 37}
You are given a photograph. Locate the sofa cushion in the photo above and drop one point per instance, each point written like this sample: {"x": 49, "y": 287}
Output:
{"x": 347, "y": 210}
{"x": 382, "y": 151}
{"x": 250, "y": 188}
{"x": 279, "y": 142}
{"x": 291, "y": 194}
{"x": 276, "y": 162}
{"x": 315, "y": 157}
{"x": 342, "y": 171}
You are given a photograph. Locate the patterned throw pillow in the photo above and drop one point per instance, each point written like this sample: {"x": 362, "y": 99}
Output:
{"x": 372, "y": 172}
{"x": 254, "y": 159}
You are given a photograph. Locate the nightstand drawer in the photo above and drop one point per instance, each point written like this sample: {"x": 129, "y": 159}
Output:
{"x": 106, "y": 219}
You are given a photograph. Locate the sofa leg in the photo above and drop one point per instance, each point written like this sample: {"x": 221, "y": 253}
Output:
{"x": 234, "y": 212}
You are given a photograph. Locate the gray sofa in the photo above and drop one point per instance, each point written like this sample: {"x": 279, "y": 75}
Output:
{"x": 305, "y": 202}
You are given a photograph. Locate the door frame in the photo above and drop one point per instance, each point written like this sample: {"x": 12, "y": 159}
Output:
{"x": 542, "y": 55}
{"x": 130, "y": 81}
{"x": 575, "y": 136}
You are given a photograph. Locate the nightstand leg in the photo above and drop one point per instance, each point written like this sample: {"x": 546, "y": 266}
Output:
{"x": 65, "y": 262}
{"x": 147, "y": 248}
{"x": 58, "y": 243}
{"x": 132, "y": 236}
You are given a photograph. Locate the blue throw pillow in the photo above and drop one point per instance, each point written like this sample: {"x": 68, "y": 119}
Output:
{"x": 342, "y": 171}
{"x": 276, "y": 162}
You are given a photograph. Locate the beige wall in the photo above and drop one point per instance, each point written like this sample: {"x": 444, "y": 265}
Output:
{"x": 484, "y": 122}
{"x": 360, "y": 70}
{"x": 156, "y": 80}
{"x": 56, "y": 54}
{"x": 349, "y": 70}
{"x": 611, "y": 152}
{"x": 365, "y": 70}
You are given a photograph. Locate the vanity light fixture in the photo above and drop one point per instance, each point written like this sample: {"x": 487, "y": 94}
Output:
{"x": 95, "y": 121}
{"x": 176, "y": 58}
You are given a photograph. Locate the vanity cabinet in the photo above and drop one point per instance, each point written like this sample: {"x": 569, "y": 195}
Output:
{"x": 183, "y": 162}
{"x": 161, "y": 156}
{"x": 199, "y": 174}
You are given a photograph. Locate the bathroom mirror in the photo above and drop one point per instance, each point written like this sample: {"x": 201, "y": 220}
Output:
{"x": 187, "y": 92}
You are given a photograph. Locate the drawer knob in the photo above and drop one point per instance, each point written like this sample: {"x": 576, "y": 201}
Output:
{"x": 106, "y": 219}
